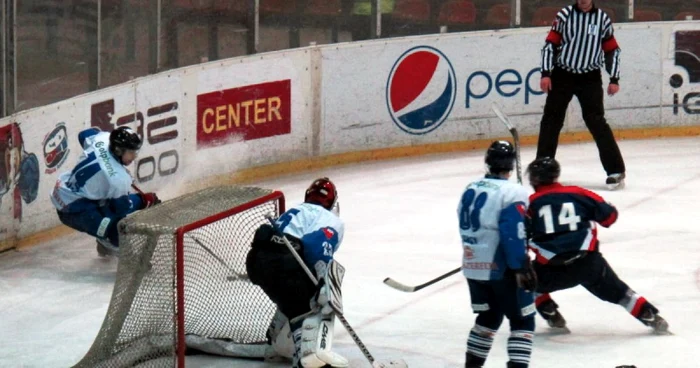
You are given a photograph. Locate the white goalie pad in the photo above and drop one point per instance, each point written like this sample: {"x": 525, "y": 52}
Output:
{"x": 281, "y": 336}
{"x": 316, "y": 343}
{"x": 330, "y": 297}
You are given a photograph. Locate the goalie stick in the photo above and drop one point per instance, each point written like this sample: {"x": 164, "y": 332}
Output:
{"x": 409, "y": 289}
{"x": 234, "y": 275}
{"x": 516, "y": 138}
{"x": 400, "y": 363}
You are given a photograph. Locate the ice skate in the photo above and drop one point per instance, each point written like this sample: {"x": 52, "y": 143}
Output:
{"x": 655, "y": 321}
{"x": 615, "y": 181}
{"x": 106, "y": 249}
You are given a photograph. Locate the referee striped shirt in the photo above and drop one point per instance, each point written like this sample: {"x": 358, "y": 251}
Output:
{"x": 580, "y": 42}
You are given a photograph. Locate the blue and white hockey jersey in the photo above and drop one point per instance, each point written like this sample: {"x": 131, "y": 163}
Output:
{"x": 491, "y": 223}
{"x": 96, "y": 179}
{"x": 319, "y": 230}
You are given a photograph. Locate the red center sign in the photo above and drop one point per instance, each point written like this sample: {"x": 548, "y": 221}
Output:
{"x": 244, "y": 113}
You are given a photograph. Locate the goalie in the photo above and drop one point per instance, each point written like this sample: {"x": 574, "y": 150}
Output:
{"x": 315, "y": 231}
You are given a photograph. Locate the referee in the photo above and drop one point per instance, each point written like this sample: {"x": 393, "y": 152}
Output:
{"x": 579, "y": 44}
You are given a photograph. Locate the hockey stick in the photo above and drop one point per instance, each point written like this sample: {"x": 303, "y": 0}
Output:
{"x": 375, "y": 364}
{"x": 516, "y": 138}
{"x": 409, "y": 289}
{"x": 234, "y": 275}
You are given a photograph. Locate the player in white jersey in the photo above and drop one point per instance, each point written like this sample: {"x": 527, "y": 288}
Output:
{"x": 491, "y": 216}
{"x": 95, "y": 195}
{"x": 316, "y": 231}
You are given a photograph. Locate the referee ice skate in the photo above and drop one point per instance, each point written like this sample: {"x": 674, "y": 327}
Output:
{"x": 579, "y": 44}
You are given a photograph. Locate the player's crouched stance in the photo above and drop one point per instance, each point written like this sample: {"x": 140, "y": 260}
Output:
{"x": 95, "y": 195}
{"x": 316, "y": 233}
{"x": 495, "y": 262}
{"x": 564, "y": 237}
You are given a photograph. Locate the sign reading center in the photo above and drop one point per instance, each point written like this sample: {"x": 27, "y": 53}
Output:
{"x": 244, "y": 113}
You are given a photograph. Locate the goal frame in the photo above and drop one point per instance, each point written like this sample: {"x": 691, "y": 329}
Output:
{"x": 180, "y": 260}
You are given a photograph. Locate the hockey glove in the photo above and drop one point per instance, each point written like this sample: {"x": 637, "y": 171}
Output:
{"x": 526, "y": 277}
{"x": 149, "y": 199}
{"x": 328, "y": 295}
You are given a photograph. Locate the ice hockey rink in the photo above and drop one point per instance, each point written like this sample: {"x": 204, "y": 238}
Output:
{"x": 401, "y": 222}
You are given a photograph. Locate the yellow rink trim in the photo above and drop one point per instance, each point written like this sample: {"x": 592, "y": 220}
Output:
{"x": 315, "y": 163}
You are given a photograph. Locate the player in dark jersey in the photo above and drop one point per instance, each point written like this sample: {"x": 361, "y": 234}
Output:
{"x": 563, "y": 235}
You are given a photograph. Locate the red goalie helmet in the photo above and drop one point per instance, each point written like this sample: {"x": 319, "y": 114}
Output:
{"x": 322, "y": 191}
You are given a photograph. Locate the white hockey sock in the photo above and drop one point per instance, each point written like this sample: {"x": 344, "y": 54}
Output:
{"x": 520, "y": 347}
{"x": 480, "y": 341}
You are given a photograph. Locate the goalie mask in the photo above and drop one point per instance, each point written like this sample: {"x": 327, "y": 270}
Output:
{"x": 500, "y": 157}
{"x": 322, "y": 192}
{"x": 543, "y": 171}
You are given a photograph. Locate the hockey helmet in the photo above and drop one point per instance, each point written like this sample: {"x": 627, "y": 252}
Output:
{"x": 543, "y": 171}
{"x": 122, "y": 139}
{"x": 322, "y": 192}
{"x": 500, "y": 157}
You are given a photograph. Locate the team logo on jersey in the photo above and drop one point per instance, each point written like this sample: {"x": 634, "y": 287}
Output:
{"x": 328, "y": 232}
{"x": 468, "y": 252}
{"x": 55, "y": 148}
{"x": 421, "y": 90}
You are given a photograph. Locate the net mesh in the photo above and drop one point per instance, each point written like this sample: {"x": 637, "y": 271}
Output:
{"x": 224, "y": 313}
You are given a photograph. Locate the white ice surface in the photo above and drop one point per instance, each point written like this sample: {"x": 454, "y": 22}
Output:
{"x": 401, "y": 222}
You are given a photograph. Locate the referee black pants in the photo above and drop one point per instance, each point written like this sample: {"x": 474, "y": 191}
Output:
{"x": 588, "y": 88}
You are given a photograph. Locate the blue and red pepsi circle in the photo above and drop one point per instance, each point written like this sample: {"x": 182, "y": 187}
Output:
{"x": 421, "y": 90}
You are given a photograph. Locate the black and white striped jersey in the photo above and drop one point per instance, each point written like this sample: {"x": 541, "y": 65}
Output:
{"x": 580, "y": 42}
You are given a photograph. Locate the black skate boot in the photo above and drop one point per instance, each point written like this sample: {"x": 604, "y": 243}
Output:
{"x": 615, "y": 181}
{"x": 106, "y": 249}
{"x": 550, "y": 312}
{"x": 474, "y": 361}
{"x": 650, "y": 317}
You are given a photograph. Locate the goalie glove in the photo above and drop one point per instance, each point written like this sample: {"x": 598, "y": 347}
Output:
{"x": 526, "y": 277}
{"x": 328, "y": 296}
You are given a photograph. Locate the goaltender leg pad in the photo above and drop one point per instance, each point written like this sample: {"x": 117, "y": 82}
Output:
{"x": 329, "y": 297}
{"x": 316, "y": 342}
{"x": 280, "y": 335}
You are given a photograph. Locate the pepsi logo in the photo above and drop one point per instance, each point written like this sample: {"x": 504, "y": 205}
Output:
{"x": 421, "y": 90}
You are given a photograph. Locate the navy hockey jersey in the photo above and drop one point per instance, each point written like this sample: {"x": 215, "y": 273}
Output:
{"x": 563, "y": 220}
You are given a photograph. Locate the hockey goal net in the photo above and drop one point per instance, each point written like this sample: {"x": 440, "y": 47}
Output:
{"x": 181, "y": 283}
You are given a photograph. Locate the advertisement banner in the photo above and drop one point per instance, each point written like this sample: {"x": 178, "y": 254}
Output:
{"x": 440, "y": 89}
{"x": 244, "y": 113}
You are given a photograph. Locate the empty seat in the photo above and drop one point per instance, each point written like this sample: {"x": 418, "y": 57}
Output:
{"x": 611, "y": 13}
{"x": 499, "y": 15}
{"x": 545, "y": 16}
{"x": 277, "y": 6}
{"x": 413, "y": 10}
{"x": 457, "y": 12}
{"x": 323, "y": 7}
{"x": 695, "y": 15}
{"x": 647, "y": 15}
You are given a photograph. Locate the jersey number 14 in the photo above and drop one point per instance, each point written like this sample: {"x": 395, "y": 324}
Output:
{"x": 567, "y": 216}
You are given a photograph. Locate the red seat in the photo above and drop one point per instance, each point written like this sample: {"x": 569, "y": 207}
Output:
{"x": 413, "y": 10}
{"x": 646, "y": 15}
{"x": 611, "y": 13}
{"x": 683, "y": 15}
{"x": 324, "y": 7}
{"x": 277, "y": 6}
{"x": 192, "y": 4}
{"x": 545, "y": 16}
{"x": 457, "y": 12}
{"x": 499, "y": 15}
